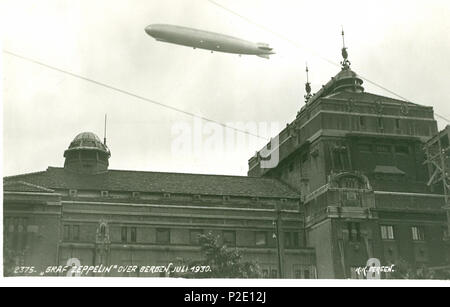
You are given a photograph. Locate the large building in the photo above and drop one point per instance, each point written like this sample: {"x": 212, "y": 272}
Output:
{"x": 101, "y": 216}
{"x": 352, "y": 184}
{"x": 359, "y": 163}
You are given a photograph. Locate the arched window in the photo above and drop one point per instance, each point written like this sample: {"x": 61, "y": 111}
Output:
{"x": 102, "y": 230}
{"x": 351, "y": 183}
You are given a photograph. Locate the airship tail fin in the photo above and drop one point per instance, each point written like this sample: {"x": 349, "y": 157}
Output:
{"x": 263, "y": 46}
{"x": 266, "y": 56}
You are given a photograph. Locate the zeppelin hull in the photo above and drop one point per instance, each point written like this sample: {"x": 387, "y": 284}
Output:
{"x": 206, "y": 40}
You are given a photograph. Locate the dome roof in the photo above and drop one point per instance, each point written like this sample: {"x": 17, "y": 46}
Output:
{"x": 346, "y": 74}
{"x": 347, "y": 80}
{"x": 89, "y": 141}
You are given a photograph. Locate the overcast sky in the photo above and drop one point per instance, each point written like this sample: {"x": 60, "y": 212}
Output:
{"x": 403, "y": 45}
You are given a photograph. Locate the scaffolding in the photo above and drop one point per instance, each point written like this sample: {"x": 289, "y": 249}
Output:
{"x": 437, "y": 151}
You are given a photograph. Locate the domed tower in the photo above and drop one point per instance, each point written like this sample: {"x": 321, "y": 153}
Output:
{"x": 346, "y": 79}
{"x": 87, "y": 155}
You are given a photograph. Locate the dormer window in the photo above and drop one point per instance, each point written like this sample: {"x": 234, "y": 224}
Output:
{"x": 73, "y": 193}
{"x": 136, "y": 195}
{"x": 166, "y": 195}
{"x": 197, "y": 197}
{"x": 104, "y": 193}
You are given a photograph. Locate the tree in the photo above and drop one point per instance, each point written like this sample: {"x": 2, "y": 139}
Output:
{"x": 224, "y": 262}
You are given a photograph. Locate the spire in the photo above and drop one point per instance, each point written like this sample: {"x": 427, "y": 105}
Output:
{"x": 345, "y": 63}
{"x": 307, "y": 85}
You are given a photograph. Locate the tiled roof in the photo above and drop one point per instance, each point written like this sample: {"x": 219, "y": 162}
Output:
{"x": 158, "y": 182}
{"x": 21, "y": 186}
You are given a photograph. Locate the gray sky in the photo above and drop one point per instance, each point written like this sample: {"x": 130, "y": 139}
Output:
{"x": 403, "y": 45}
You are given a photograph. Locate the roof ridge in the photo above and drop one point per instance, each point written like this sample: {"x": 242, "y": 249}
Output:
{"x": 30, "y": 185}
{"x": 156, "y": 172}
{"x": 191, "y": 174}
{"x": 25, "y": 174}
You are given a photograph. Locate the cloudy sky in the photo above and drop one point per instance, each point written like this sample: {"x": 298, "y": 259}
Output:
{"x": 403, "y": 45}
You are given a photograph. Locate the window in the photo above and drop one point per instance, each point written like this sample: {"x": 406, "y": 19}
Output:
{"x": 102, "y": 156}
{"x": 380, "y": 122}
{"x": 362, "y": 121}
{"x": 71, "y": 232}
{"x": 10, "y": 224}
{"x": 105, "y": 193}
{"x": 387, "y": 232}
{"x": 197, "y": 197}
{"x": 166, "y": 195}
{"x": 72, "y": 156}
{"x": 16, "y": 237}
{"x": 89, "y": 155}
{"x": 354, "y": 233}
{"x": 124, "y": 234}
{"x": 102, "y": 230}
{"x": 402, "y": 149}
{"x": 133, "y": 234}
{"x": 265, "y": 273}
{"x": 261, "y": 238}
{"x": 195, "y": 236}
{"x": 162, "y": 235}
{"x": 418, "y": 233}
{"x": 73, "y": 193}
{"x": 291, "y": 239}
{"x": 365, "y": 147}
{"x": 136, "y": 195}
{"x": 397, "y": 123}
{"x": 383, "y": 149}
{"x": 229, "y": 237}
{"x": 350, "y": 183}
{"x": 67, "y": 234}
{"x": 76, "y": 232}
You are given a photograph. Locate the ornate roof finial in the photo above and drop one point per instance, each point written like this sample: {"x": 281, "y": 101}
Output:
{"x": 307, "y": 85}
{"x": 345, "y": 63}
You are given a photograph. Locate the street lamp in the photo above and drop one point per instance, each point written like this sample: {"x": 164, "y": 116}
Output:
{"x": 276, "y": 235}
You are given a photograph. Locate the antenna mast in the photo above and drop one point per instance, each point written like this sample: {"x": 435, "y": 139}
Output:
{"x": 104, "y": 134}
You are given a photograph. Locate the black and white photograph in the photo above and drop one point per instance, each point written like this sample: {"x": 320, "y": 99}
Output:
{"x": 255, "y": 141}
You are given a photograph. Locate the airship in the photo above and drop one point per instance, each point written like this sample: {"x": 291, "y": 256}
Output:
{"x": 206, "y": 40}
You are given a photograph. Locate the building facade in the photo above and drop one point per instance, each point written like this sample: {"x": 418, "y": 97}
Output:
{"x": 359, "y": 162}
{"x": 87, "y": 212}
{"x": 352, "y": 184}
